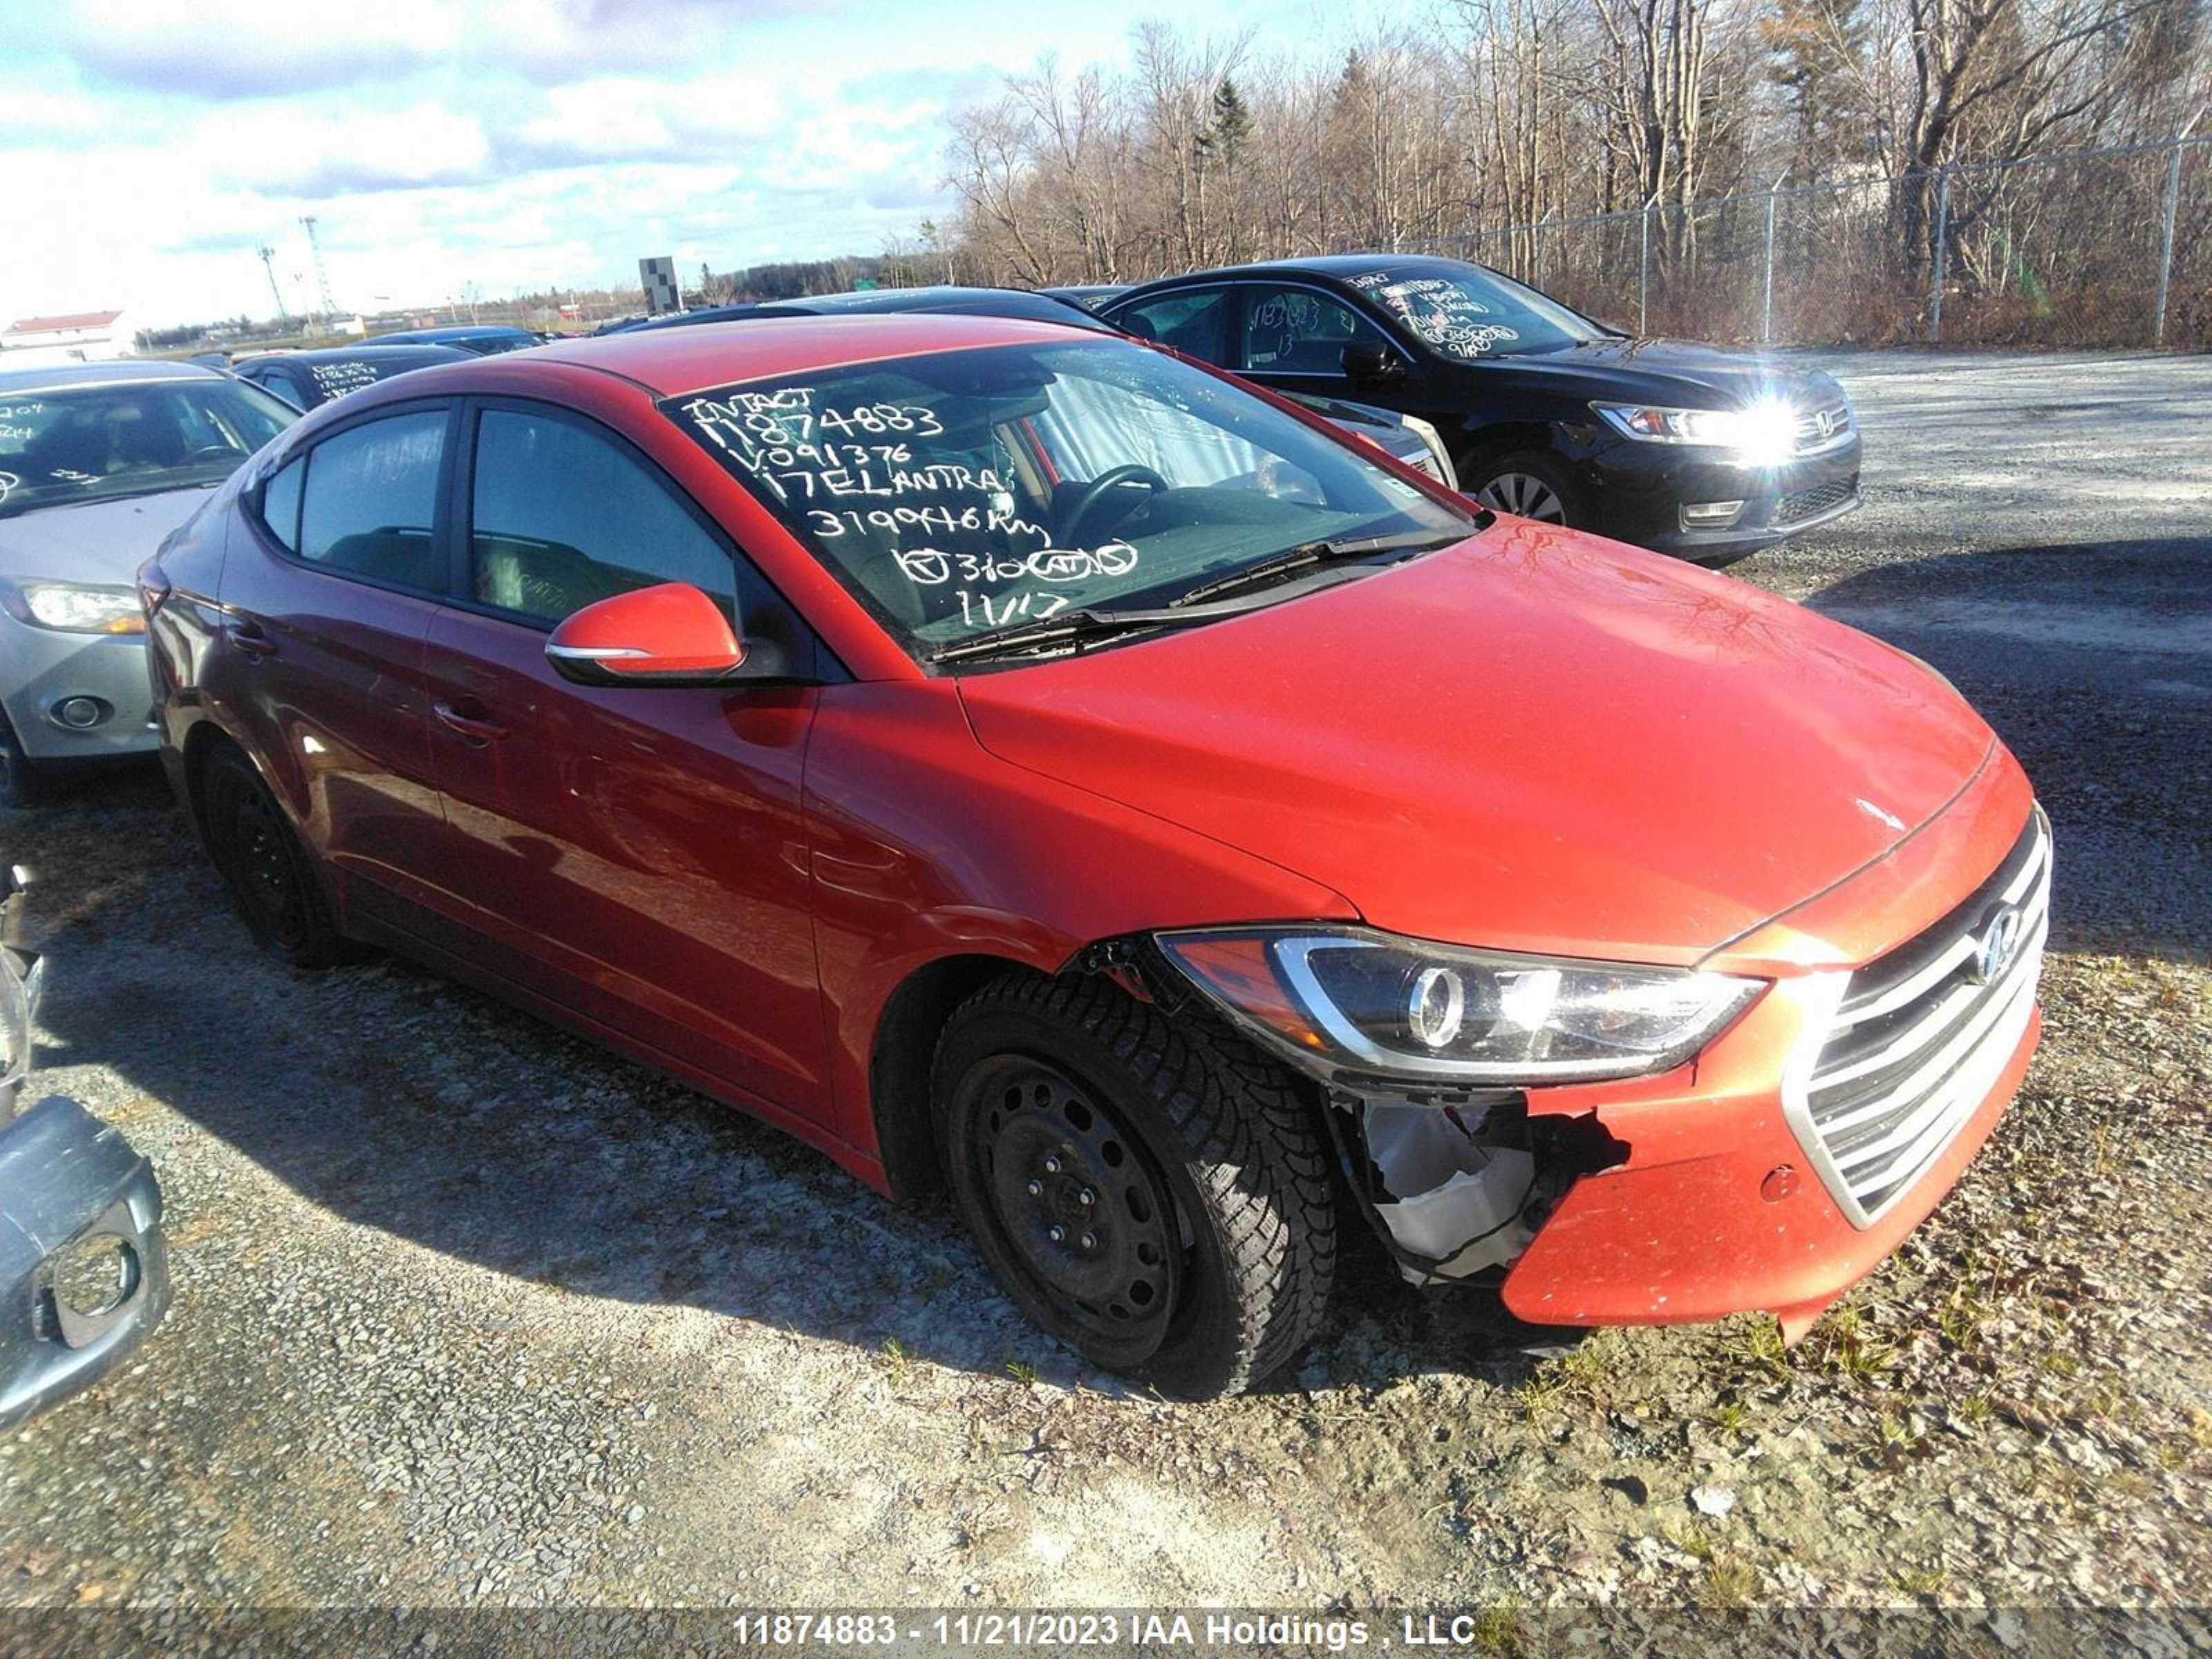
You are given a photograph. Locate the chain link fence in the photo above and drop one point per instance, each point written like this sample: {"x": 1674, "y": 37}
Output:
{"x": 2107, "y": 249}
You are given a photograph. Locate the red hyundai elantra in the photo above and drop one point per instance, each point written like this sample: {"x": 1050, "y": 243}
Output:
{"x": 1024, "y": 760}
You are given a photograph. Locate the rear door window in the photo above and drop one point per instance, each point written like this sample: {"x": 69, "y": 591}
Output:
{"x": 370, "y": 504}
{"x": 1302, "y": 331}
{"x": 280, "y": 503}
{"x": 1192, "y": 320}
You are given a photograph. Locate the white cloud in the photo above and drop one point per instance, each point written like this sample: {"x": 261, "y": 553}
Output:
{"x": 616, "y": 117}
{"x": 227, "y": 47}
{"x": 150, "y": 149}
{"x": 305, "y": 150}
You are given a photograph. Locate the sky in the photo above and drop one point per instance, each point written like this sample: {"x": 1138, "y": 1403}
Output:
{"x": 148, "y": 147}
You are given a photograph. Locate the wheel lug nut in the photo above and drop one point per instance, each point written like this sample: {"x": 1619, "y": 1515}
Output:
{"x": 1089, "y": 1241}
{"x": 1086, "y": 1198}
{"x": 1036, "y": 1189}
{"x": 1057, "y": 1234}
{"x": 1051, "y": 1166}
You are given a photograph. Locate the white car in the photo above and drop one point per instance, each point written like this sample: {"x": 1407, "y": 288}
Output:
{"x": 98, "y": 463}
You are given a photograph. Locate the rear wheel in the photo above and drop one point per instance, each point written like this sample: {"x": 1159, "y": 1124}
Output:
{"x": 20, "y": 783}
{"x": 262, "y": 863}
{"x": 1530, "y": 484}
{"x": 1154, "y": 1194}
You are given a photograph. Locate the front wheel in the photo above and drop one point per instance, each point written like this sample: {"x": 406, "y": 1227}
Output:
{"x": 1157, "y": 1196}
{"x": 1529, "y": 484}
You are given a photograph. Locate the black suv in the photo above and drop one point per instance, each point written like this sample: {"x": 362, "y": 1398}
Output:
{"x": 1704, "y": 454}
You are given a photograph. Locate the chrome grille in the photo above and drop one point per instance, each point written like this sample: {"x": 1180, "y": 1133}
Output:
{"x": 1918, "y": 1038}
{"x": 1824, "y": 428}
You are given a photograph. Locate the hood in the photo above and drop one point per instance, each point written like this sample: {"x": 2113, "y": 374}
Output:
{"x": 99, "y": 542}
{"x": 1677, "y": 372}
{"x": 1535, "y": 740}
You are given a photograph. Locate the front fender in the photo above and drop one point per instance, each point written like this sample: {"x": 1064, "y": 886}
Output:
{"x": 926, "y": 847}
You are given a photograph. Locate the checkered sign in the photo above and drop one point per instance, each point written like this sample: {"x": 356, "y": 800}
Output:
{"x": 659, "y": 277}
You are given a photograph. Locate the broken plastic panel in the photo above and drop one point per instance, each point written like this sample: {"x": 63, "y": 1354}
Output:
{"x": 1450, "y": 1199}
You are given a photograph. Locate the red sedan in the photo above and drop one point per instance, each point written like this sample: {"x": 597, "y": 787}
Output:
{"x": 1025, "y": 760}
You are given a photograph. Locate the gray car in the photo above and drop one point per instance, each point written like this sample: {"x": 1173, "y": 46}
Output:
{"x": 98, "y": 463}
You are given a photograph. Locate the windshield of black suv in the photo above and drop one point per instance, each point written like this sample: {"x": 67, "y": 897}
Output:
{"x": 97, "y": 443}
{"x": 1468, "y": 313}
{"x": 971, "y": 492}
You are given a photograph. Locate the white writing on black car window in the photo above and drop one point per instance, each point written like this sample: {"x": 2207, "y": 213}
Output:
{"x": 1442, "y": 313}
{"x": 335, "y": 380}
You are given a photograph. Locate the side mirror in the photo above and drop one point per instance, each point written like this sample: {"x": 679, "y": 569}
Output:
{"x": 1372, "y": 363}
{"x": 671, "y": 634}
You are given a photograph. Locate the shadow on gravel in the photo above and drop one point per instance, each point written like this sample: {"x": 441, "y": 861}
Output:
{"x": 395, "y": 1099}
{"x": 2093, "y": 662}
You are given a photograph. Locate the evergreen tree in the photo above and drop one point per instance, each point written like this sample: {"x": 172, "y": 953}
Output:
{"x": 1231, "y": 126}
{"x": 1813, "y": 47}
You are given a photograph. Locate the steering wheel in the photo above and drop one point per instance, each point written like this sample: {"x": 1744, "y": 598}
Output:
{"x": 1090, "y": 495}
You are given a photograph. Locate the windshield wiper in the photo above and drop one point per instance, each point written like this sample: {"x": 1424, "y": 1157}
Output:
{"x": 1072, "y": 626}
{"x": 1309, "y": 554}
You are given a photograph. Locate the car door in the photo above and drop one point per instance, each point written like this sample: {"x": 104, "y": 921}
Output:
{"x": 1292, "y": 337}
{"x": 326, "y": 596}
{"x": 637, "y": 855}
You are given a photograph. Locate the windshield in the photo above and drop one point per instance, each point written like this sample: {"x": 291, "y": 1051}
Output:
{"x": 971, "y": 492}
{"x": 97, "y": 443}
{"x": 1468, "y": 313}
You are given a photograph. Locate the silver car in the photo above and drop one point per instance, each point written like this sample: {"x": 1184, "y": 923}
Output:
{"x": 98, "y": 463}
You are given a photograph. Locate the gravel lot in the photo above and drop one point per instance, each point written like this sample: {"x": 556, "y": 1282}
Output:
{"x": 469, "y": 1313}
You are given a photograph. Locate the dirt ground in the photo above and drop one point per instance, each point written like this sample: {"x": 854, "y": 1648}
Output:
{"x": 469, "y": 1313}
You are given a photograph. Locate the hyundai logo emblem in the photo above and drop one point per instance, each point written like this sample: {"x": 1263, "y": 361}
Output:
{"x": 2000, "y": 946}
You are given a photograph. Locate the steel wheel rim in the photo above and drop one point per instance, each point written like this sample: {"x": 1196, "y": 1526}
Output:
{"x": 1524, "y": 495}
{"x": 262, "y": 864}
{"x": 1039, "y": 1143}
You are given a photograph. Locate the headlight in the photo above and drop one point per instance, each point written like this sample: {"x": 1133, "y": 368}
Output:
{"x": 1440, "y": 467}
{"x": 1350, "y": 999}
{"x": 77, "y": 609}
{"x": 1762, "y": 434}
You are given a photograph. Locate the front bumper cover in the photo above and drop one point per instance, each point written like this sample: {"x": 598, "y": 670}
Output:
{"x": 45, "y": 667}
{"x": 1716, "y": 1209}
{"x": 65, "y": 1176}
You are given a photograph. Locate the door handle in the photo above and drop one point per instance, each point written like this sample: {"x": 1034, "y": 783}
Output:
{"x": 251, "y": 640}
{"x": 472, "y": 727}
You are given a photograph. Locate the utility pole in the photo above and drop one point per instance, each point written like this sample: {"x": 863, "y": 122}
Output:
{"x": 322, "y": 278}
{"x": 268, "y": 264}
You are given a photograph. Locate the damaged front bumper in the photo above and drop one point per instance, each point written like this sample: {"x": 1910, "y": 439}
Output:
{"x": 1796, "y": 1152}
{"x": 83, "y": 1269}
{"x": 1671, "y": 1199}
{"x": 1717, "y": 1208}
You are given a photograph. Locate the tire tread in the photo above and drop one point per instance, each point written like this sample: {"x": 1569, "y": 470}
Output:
{"x": 1252, "y": 1145}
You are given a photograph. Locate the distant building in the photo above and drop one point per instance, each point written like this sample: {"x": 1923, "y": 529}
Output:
{"x": 86, "y": 336}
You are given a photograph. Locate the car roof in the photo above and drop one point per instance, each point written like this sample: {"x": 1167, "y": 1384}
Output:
{"x": 946, "y": 299}
{"x": 1337, "y": 267}
{"x": 422, "y": 351}
{"x": 672, "y": 361}
{"x": 450, "y": 331}
{"x": 53, "y": 377}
